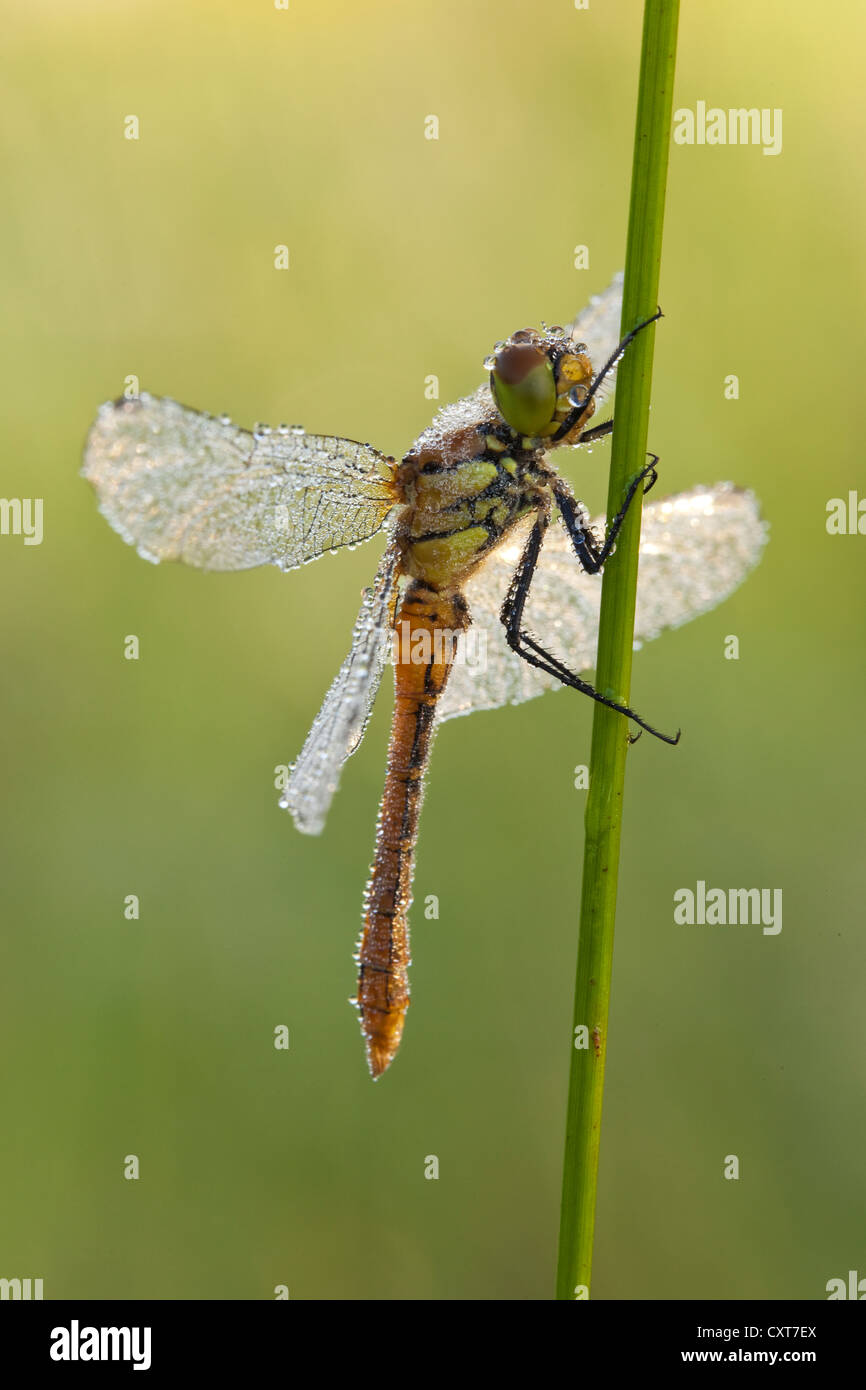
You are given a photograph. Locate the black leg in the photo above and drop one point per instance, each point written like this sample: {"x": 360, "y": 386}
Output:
{"x": 586, "y": 548}
{"x": 526, "y": 647}
{"x": 573, "y": 416}
{"x": 653, "y": 474}
{"x": 511, "y": 613}
{"x": 555, "y": 668}
{"x": 597, "y": 432}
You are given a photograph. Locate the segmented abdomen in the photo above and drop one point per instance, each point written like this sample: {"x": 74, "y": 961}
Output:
{"x": 427, "y": 627}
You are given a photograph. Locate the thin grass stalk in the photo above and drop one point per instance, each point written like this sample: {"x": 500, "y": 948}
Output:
{"x": 613, "y": 672}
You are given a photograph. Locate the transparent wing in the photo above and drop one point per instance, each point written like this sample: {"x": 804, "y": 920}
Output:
{"x": 696, "y": 548}
{"x": 181, "y": 485}
{"x": 340, "y": 724}
{"x": 598, "y": 325}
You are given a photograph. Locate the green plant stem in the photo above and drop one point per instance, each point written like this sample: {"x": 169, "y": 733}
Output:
{"x": 613, "y": 670}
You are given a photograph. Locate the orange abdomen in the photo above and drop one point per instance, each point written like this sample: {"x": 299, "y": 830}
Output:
{"x": 427, "y": 627}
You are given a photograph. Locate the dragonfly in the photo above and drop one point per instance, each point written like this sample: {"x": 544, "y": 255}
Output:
{"x": 488, "y": 590}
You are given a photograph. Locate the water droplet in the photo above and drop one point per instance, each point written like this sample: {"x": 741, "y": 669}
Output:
{"x": 489, "y": 362}
{"x": 225, "y": 419}
{"x": 282, "y": 429}
{"x": 298, "y": 429}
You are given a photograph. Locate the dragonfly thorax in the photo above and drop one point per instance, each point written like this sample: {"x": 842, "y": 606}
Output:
{"x": 461, "y": 500}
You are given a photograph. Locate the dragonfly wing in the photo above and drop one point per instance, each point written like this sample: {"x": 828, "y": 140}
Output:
{"x": 487, "y": 673}
{"x": 598, "y": 325}
{"x": 182, "y": 485}
{"x": 340, "y": 724}
{"x": 696, "y": 548}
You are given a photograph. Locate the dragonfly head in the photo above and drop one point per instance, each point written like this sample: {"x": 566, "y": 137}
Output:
{"x": 536, "y": 379}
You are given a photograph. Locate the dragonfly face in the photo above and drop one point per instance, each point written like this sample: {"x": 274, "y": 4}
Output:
{"x": 469, "y": 519}
{"x": 537, "y": 380}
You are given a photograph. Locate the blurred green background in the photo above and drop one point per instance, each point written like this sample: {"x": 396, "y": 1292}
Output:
{"x": 410, "y": 257}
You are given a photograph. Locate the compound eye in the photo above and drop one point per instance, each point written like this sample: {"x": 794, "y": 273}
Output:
{"x": 524, "y": 387}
